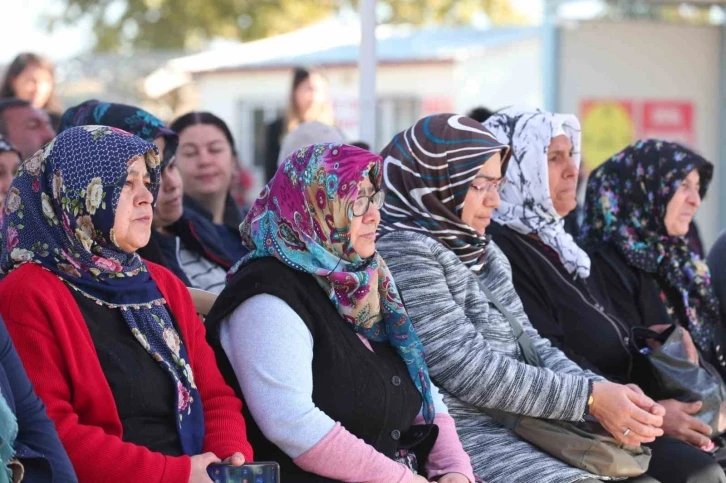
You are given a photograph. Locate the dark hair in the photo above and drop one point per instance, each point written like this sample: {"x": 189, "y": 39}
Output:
{"x": 18, "y": 65}
{"x": 480, "y": 114}
{"x": 203, "y": 117}
{"x": 9, "y": 103}
{"x": 299, "y": 75}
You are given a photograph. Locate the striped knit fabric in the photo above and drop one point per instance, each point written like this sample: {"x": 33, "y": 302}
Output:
{"x": 475, "y": 361}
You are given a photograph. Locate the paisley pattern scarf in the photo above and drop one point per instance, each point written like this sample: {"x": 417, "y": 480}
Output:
{"x": 60, "y": 213}
{"x": 303, "y": 218}
{"x": 626, "y": 205}
{"x": 428, "y": 170}
{"x": 526, "y": 205}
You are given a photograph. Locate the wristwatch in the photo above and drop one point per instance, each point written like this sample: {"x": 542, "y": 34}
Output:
{"x": 590, "y": 398}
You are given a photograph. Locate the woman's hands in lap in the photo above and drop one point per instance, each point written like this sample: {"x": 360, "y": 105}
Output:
{"x": 679, "y": 423}
{"x": 620, "y": 408}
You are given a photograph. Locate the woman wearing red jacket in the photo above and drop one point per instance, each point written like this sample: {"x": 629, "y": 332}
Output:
{"x": 111, "y": 343}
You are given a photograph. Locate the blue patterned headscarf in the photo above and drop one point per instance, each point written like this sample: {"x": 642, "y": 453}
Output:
{"x": 60, "y": 213}
{"x": 303, "y": 219}
{"x": 625, "y": 205}
{"x": 129, "y": 118}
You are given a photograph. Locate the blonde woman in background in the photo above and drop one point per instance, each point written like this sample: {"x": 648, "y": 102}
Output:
{"x": 309, "y": 101}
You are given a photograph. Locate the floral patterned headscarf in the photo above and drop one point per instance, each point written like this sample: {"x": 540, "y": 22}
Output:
{"x": 60, "y": 213}
{"x": 626, "y": 205}
{"x": 303, "y": 218}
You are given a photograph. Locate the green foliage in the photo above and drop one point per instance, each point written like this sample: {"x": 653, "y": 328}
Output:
{"x": 128, "y": 25}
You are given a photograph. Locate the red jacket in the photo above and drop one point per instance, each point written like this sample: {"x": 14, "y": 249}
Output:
{"x": 55, "y": 346}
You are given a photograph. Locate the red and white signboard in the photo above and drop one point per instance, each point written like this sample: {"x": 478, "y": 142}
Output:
{"x": 671, "y": 120}
{"x": 609, "y": 125}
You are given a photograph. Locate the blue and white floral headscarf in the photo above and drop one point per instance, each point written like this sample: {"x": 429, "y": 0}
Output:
{"x": 60, "y": 213}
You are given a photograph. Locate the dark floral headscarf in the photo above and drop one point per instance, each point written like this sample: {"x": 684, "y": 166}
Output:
{"x": 129, "y": 118}
{"x": 303, "y": 218}
{"x": 428, "y": 170}
{"x": 60, "y": 214}
{"x": 626, "y": 205}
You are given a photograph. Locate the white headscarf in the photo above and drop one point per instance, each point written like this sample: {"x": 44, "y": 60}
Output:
{"x": 526, "y": 201}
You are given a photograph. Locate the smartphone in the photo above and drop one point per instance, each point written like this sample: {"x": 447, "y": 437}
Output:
{"x": 260, "y": 472}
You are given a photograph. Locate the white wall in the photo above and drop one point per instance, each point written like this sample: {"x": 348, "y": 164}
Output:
{"x": 644, "y": 61}
{"x": 222, "y": 92}
{"x": 500, "y": 77}
{"x": 226, "y": 94}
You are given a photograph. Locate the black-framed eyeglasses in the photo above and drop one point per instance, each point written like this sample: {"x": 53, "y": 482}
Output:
{"x": 488, "y": 186}
{"x": 361, "y": 205}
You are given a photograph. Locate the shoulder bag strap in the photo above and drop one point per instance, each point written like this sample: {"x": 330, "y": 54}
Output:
{"x": 531, "y": 356}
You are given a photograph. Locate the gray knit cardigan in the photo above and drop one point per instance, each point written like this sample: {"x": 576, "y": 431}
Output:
{"x": 475, "y": 361}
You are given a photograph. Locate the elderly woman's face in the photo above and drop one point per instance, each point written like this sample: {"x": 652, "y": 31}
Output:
{"x": 683, "y": 205}
{"x": 483, "y": 196}
{"x": 363, "y": 228}
{"x": 132, "y": 225}
{"x": 562, "y": 171}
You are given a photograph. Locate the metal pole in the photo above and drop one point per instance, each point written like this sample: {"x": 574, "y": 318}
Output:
{"x": 550, "y": 57}
{"x": 721, "y": 167}
{"x": 367, "y": 73}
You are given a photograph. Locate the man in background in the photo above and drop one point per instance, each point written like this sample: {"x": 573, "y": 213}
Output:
{"x": 24, "y": 126}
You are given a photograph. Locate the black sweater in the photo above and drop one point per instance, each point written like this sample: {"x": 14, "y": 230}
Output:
{"x": 369, "y": 393}
{"x": 639, "y": 296}
{"x": 573, "y": 313}
{"x": 144, "y": 393}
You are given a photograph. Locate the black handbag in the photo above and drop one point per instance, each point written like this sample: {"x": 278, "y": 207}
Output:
{"x": 668, "y": 374}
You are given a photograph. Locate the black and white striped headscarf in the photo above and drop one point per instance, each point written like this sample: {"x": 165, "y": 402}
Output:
{"x": 427, "y": 173}
{"x": 526, "y": 201}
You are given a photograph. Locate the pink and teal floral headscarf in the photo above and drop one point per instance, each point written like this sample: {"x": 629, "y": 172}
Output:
{"x": 303, "y": 218}
{"x": 60, "y": 213}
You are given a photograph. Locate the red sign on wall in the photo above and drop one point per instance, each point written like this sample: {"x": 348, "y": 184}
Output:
{"x": 608, "y": 125}
{"x": 672, "y": 120}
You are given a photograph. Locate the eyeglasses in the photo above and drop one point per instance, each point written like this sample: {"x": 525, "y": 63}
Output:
{"x": 361, "y": 205}
{"x": 488, "y": 186}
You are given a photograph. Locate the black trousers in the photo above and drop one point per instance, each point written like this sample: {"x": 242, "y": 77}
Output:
{"x": 675, "y": 461}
